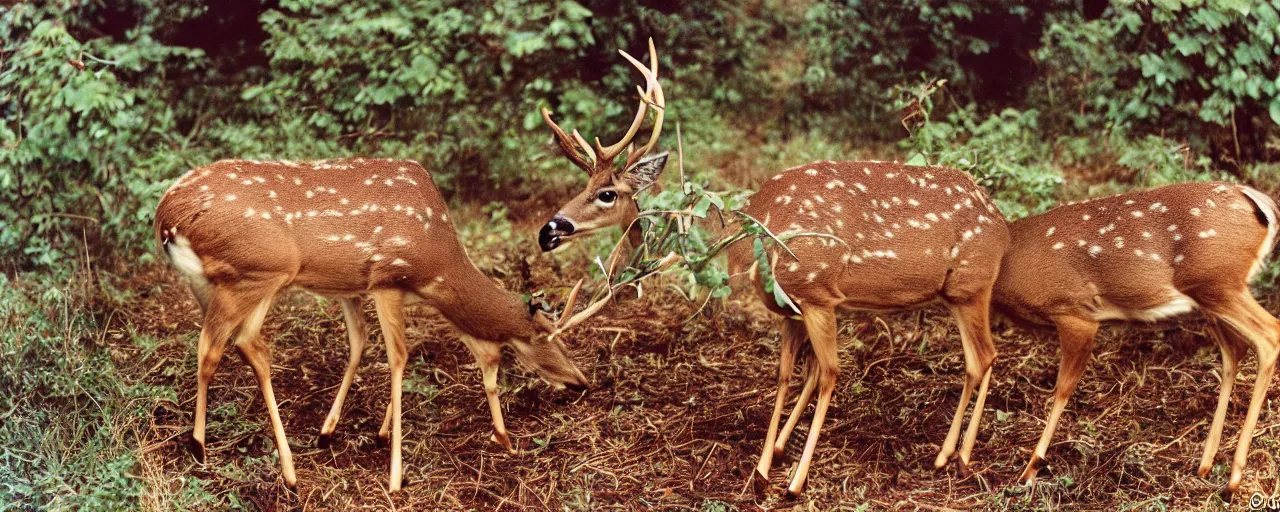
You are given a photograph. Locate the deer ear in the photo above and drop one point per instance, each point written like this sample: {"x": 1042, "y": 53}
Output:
{"x": 645, "y": 172}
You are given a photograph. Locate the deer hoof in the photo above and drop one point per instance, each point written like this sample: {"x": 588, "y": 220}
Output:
{"x": 501, "y": 439}
{"x": 795, "y": 490}
{"x": 197, "y": 449}
{"x": 759, "y": 481}
{"x": 324, "y": 441}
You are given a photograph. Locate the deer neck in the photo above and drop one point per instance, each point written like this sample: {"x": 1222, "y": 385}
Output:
{"x": 477, "y": 306}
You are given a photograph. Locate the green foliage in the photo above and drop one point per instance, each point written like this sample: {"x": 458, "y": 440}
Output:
{"x": 1160, "y": 161}
{"x": 62, "y": 404}
{"x": 98, "y": 115}
{"x": 1168, "y": 67}
{"x": 90, "y": 124}
{"x": 856, "y": 51}
{"x": 1004, "y": 152}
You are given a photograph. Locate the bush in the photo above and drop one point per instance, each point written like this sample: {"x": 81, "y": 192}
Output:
{"x": 1004, "y": 152}
{"x": 1205, "y": 73}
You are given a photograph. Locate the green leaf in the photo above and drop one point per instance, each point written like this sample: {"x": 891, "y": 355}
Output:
{"x": 770, "y": 284}
{"x": 1275, "y": 110}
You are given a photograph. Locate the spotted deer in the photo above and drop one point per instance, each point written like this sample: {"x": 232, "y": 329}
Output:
{"x": 241, "y": 231}
{"x": 1146, "y": 256}
{"x": 895, "y": 237}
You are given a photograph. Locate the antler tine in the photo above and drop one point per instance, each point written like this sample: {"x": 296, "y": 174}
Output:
{"x": 586, "y": 148}
{"x": 651, "y": 80}
{"x": 654, "y": 96}
{"x": 567, "y": 145}
{"x": 583, "y": 315}
{"x": 570, "y": 303}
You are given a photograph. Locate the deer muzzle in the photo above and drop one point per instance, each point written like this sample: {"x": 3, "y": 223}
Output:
{"x": 554, "y": 231}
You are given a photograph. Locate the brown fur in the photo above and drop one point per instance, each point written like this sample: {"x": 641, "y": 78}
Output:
{"x": 244, "y": 230}
{"x": 1146, "y": 255}
{"x": 908, "y": 236}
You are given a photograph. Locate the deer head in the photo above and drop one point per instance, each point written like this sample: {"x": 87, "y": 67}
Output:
{"x": 609, "y": 198}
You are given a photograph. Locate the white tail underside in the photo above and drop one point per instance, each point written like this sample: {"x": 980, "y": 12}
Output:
{"x": 1270, "y": 211}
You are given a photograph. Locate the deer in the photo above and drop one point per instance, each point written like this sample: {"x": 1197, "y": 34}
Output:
{"x": 1145, "y": 256}
{"x": 241, "y": 231}
{"x": 892, "y": 237}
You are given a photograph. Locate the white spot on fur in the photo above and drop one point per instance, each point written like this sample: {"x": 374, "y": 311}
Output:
{"x": 1050, "y": 231}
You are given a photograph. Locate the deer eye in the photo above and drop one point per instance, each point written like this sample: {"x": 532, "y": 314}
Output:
{"x": 607, "y": 196}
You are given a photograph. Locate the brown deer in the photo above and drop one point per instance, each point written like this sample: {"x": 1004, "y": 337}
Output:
{"x": 900, "y": 237}
{"x": 609, "y": 197}
{"x": 1146, "y": 256}
{"x": 240, "y": 231}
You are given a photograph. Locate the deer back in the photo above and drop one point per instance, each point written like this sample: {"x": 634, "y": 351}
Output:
{"x": 892, "y": 235}
{"x": 1142, "y": 255}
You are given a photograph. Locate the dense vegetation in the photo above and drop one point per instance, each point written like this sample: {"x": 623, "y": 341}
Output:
{"x": 103, "y": 103}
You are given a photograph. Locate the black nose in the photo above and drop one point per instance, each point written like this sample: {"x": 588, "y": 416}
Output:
{"x": 549, "y": 236}
{"x": 576, "y": 387}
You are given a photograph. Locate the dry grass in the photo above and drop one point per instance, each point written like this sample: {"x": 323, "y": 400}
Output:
{"x": 676, "y": 416}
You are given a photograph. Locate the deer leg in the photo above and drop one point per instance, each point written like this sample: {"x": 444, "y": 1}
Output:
{"x": 810, "y": 383}
{"x": 220, "y": 321}
{"x": 384, "y": 433}
{"x": 1258, "y": 326}
{"x": 357, "y": 335}
{"x": 1076, "y": 337}
{"x": 975, "y": 320}
{"x": 792, "y": 336}
{"x": 258, "y": 355}
{"x": 820, "y": 323}
{"x": 979, "y": 353}
{"x": 489, "y": 358}
{"x": 1233, "y": 350}
{"x": 390, "y": 307}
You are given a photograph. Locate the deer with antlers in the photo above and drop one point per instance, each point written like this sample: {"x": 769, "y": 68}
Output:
{"x": 241, "y": 231}
{"x": 893, "y": 237}
{"x": 609, "y": 198}
{"x": 1145, "y": 256}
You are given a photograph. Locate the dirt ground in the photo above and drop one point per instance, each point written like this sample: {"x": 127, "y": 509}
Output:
{"x": 676, "y": 415}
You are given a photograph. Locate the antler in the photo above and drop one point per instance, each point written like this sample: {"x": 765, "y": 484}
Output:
{"x": 568, "y": 319}
{"x": 651, "y": 96}
{"x": 651, "y": 81}
{"x": 589, "y": 159}
{"x": 567, "y": 145}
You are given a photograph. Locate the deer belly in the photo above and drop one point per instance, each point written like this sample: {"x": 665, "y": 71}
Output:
{"x": 1174, "y": 304}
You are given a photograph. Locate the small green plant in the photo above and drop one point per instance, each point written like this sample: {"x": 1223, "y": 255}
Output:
{"x": 1004, "y": 152}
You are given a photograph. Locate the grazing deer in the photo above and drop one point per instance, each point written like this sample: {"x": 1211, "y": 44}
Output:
{"x": 241, "y": 231}
{"x": 908, "y": 236}
{"x": 1145, "y": 256}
